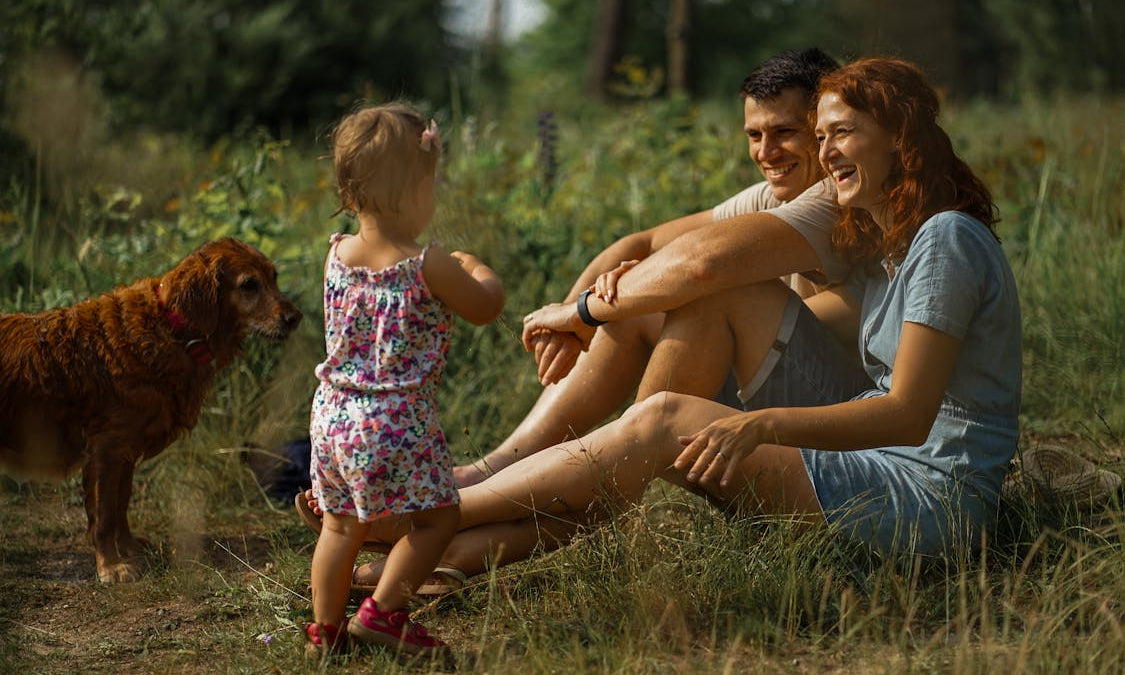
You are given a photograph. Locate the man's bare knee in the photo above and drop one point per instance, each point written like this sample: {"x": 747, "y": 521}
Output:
{"x": 641, "y": 331}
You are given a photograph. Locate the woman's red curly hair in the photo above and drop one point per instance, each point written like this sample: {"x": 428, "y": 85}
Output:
{"x": 929, "y": 177}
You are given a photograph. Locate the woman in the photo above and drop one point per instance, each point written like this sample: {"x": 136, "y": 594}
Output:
{"x": 913, "y": 464}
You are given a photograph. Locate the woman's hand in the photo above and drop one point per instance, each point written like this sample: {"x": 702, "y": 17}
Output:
{"x": 605, "y": 287}
{"x": 559, "y": 317}
{"x": 715, "y": 452}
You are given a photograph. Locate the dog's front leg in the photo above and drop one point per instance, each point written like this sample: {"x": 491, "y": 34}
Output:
{"x": 108, "y": 482}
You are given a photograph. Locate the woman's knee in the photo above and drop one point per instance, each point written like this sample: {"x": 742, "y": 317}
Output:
{"x": 656, "y": 410}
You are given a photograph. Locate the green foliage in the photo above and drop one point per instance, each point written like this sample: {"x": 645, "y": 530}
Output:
{"x": 1061, "y": 45}
{"x": 995, "y": 48}
{"x": 215, "y": 67}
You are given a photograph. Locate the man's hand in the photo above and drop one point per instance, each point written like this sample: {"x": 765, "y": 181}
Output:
{"x": 555, "y": 353}
{"x": 558, "y": 317}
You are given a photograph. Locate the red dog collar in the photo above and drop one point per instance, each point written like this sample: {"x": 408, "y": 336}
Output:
{"x": 196, "y": 347}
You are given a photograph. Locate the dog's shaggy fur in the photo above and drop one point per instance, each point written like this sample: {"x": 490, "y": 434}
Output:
{"x": 113, "y": 380}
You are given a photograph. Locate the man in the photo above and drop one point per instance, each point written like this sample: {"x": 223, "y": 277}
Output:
{"x": 747, "y": 239}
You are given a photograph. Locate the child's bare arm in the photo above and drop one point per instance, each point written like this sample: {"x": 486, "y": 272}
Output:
{"x": 467, "y": 285}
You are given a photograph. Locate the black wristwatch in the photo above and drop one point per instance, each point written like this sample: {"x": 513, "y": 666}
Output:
{"x": 584, "y": 311}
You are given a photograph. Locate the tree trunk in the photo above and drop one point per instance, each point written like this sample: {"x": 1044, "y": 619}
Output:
{"x": 678, "y": 34}
{"x": 492, "y": 33}
{"x": 605, "y": 46}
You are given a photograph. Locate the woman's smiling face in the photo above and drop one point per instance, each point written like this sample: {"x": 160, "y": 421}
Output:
{"x": 857, "y": 153}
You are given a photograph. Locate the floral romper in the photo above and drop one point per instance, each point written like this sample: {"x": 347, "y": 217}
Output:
{"x": 377, "y": 444}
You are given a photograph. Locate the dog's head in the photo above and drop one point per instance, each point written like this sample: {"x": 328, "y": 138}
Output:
{"x": 229, "y": 288}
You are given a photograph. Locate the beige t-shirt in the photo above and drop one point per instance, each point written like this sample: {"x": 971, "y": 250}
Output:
{"x": 813, "y": 214}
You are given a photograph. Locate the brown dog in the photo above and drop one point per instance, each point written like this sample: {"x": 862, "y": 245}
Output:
{"x": 113, "y": 380}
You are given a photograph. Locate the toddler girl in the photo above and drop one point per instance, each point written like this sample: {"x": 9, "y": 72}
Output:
{"x": 379, "y": 458}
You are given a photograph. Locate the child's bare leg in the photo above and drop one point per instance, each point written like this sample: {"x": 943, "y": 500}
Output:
{"x": 331, "y": 574}
{"x": 414, "y": 556}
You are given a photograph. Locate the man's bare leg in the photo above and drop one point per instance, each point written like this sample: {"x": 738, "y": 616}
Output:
{"x": 703, "y": 340}
{"x": 604, "y": 378}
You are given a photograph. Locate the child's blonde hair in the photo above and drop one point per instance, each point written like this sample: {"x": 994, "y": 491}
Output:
{"x": 378, "y": 153}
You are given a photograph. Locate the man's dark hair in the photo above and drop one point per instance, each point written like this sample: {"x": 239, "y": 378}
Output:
{"x": 792, "y": 68}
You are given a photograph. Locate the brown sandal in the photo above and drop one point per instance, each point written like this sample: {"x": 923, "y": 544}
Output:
{"x": 315, "y": 522}
{"x": 443, "y": 581}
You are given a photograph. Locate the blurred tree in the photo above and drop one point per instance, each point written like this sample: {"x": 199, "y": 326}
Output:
{"x": 605, "y": 46}
{"x": 716, "y": 41}
{"x": 214, "y": 66}
{"x": 679, "y": 40}
{"x": 489, "y": 93}
{"x": 949, "y": 38}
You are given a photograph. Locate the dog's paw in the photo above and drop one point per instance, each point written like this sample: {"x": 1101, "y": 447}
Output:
{"x": 122, "y": 572}
{"x": 133, "y": 547}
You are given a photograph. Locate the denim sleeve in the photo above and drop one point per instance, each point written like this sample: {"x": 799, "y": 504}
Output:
{"x": 945, "y": 273}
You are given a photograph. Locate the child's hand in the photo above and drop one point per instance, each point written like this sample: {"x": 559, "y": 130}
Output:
{"x": 467, "y": 260}
{"x": 464, "y": 283}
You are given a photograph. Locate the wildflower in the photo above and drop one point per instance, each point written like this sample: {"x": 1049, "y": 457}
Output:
{"x": 546, "y": 160}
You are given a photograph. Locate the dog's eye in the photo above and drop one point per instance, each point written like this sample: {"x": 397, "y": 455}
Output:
{"x": 249, "y": 284}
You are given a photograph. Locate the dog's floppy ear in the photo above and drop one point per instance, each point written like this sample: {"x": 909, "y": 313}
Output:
{"x": 193, "y": 289}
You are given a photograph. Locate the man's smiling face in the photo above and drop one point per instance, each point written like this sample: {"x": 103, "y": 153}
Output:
{"x": 782, "y": 142}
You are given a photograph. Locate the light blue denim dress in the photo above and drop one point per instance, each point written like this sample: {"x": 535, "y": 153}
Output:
{"x": 940, "y": 495}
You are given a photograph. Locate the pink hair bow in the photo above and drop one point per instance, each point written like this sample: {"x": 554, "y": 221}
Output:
{"x": 430, "y": 137}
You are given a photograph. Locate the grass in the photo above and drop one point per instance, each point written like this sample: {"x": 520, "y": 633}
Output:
{"x": 670, "y": 586}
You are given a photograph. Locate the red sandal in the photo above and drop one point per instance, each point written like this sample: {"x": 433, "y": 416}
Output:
{"x": 322, "y": 639}
{"x": 372, "y": 625}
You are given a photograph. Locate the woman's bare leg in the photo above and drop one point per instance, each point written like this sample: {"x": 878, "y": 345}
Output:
{"x": 604, "y": 378}
{"x": 478, "y": 549}
{"x": 615, "y": 463}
